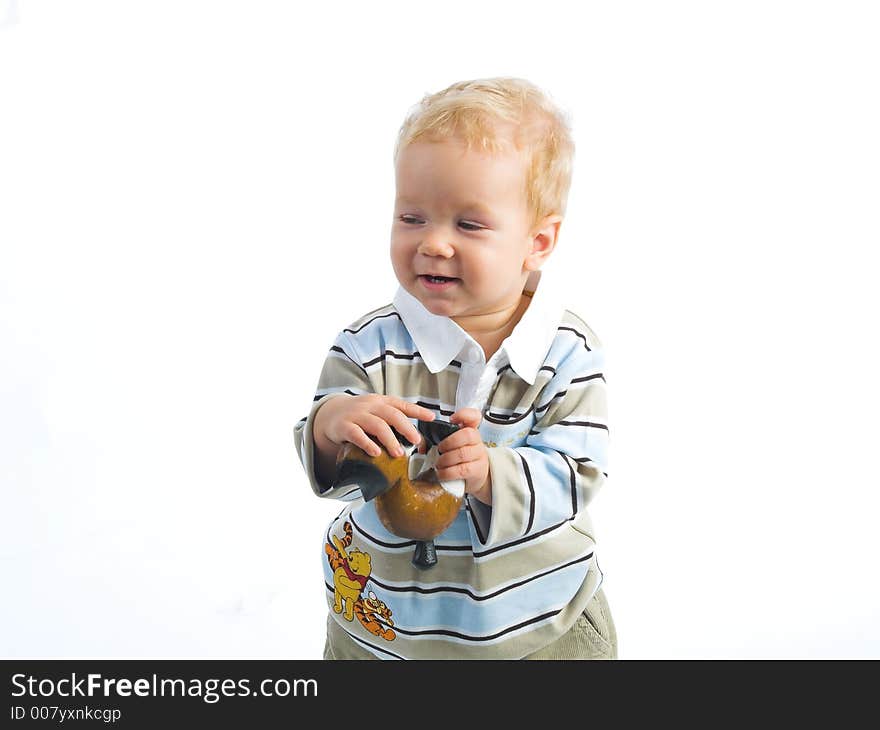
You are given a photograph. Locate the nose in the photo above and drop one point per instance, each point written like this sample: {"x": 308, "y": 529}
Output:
{"x": 435, "y": 243}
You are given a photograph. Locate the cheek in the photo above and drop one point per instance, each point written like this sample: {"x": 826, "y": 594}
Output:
{"x": 399, "y": 252}
{"x": 486, "y": 268}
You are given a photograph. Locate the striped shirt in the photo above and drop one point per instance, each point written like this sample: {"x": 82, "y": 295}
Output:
{"x": 511, "y": 577}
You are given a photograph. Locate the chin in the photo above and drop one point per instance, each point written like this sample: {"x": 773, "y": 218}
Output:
{"x": 442, "y": 309}
{"x": 436, "y": 306}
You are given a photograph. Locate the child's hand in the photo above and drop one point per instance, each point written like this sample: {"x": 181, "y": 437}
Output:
{"x": 355, "y": 418}
{"x": 463, "y": 455}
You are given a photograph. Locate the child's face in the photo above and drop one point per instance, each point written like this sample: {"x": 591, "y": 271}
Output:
{"x": 460, "y": 240}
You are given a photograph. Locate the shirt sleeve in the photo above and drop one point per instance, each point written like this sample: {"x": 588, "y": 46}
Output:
{"x": 342, "y": 376}
{"x": 563, "y": 463}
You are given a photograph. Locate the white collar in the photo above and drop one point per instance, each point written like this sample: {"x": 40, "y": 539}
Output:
{"x": 439, "y": 339}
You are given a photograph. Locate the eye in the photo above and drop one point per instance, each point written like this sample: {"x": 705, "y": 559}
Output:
{"x": 408, "y": 219}
{"x": 470, "y": 226}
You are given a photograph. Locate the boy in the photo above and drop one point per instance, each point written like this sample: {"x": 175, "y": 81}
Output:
{"x": 474, "y": 337}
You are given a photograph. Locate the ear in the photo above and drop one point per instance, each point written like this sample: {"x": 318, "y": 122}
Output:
{"x": 543, "y": 241}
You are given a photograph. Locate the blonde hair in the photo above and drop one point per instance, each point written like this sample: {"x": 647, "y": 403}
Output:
{"x": 481, "y": 112}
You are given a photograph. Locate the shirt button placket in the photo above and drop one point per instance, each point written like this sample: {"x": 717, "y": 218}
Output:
{"x": 468, "y": 384}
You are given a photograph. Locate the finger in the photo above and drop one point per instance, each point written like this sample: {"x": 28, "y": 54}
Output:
{"x": 355, "y": 435}
{"x": 381, "y": 430}
{"x": 462, "y": 437}
{"x": 464, "y": 455}
{"x": 397, "y": 420}
{"x": 411, "y": 409}
{"x": 467, "y": 417}
{"x": 464, "y": 471}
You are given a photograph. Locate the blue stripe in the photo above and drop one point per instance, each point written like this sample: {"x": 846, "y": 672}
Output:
{"x": 416, "y": 612}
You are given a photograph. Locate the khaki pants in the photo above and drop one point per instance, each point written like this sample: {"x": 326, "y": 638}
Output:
{"x": 593, "y": 636}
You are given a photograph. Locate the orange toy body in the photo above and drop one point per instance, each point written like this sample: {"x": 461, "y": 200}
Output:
{"x": 417, "y": 509}
{"x": 410, "y": 500}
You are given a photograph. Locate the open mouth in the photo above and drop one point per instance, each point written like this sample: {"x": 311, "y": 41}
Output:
{"x": 432, "y": 282}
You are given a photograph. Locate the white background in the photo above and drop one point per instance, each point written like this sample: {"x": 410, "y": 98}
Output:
{"x": 196, "y": 196}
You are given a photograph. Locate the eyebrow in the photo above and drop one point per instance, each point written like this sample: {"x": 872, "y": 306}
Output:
{"x": 476, "y": 206}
